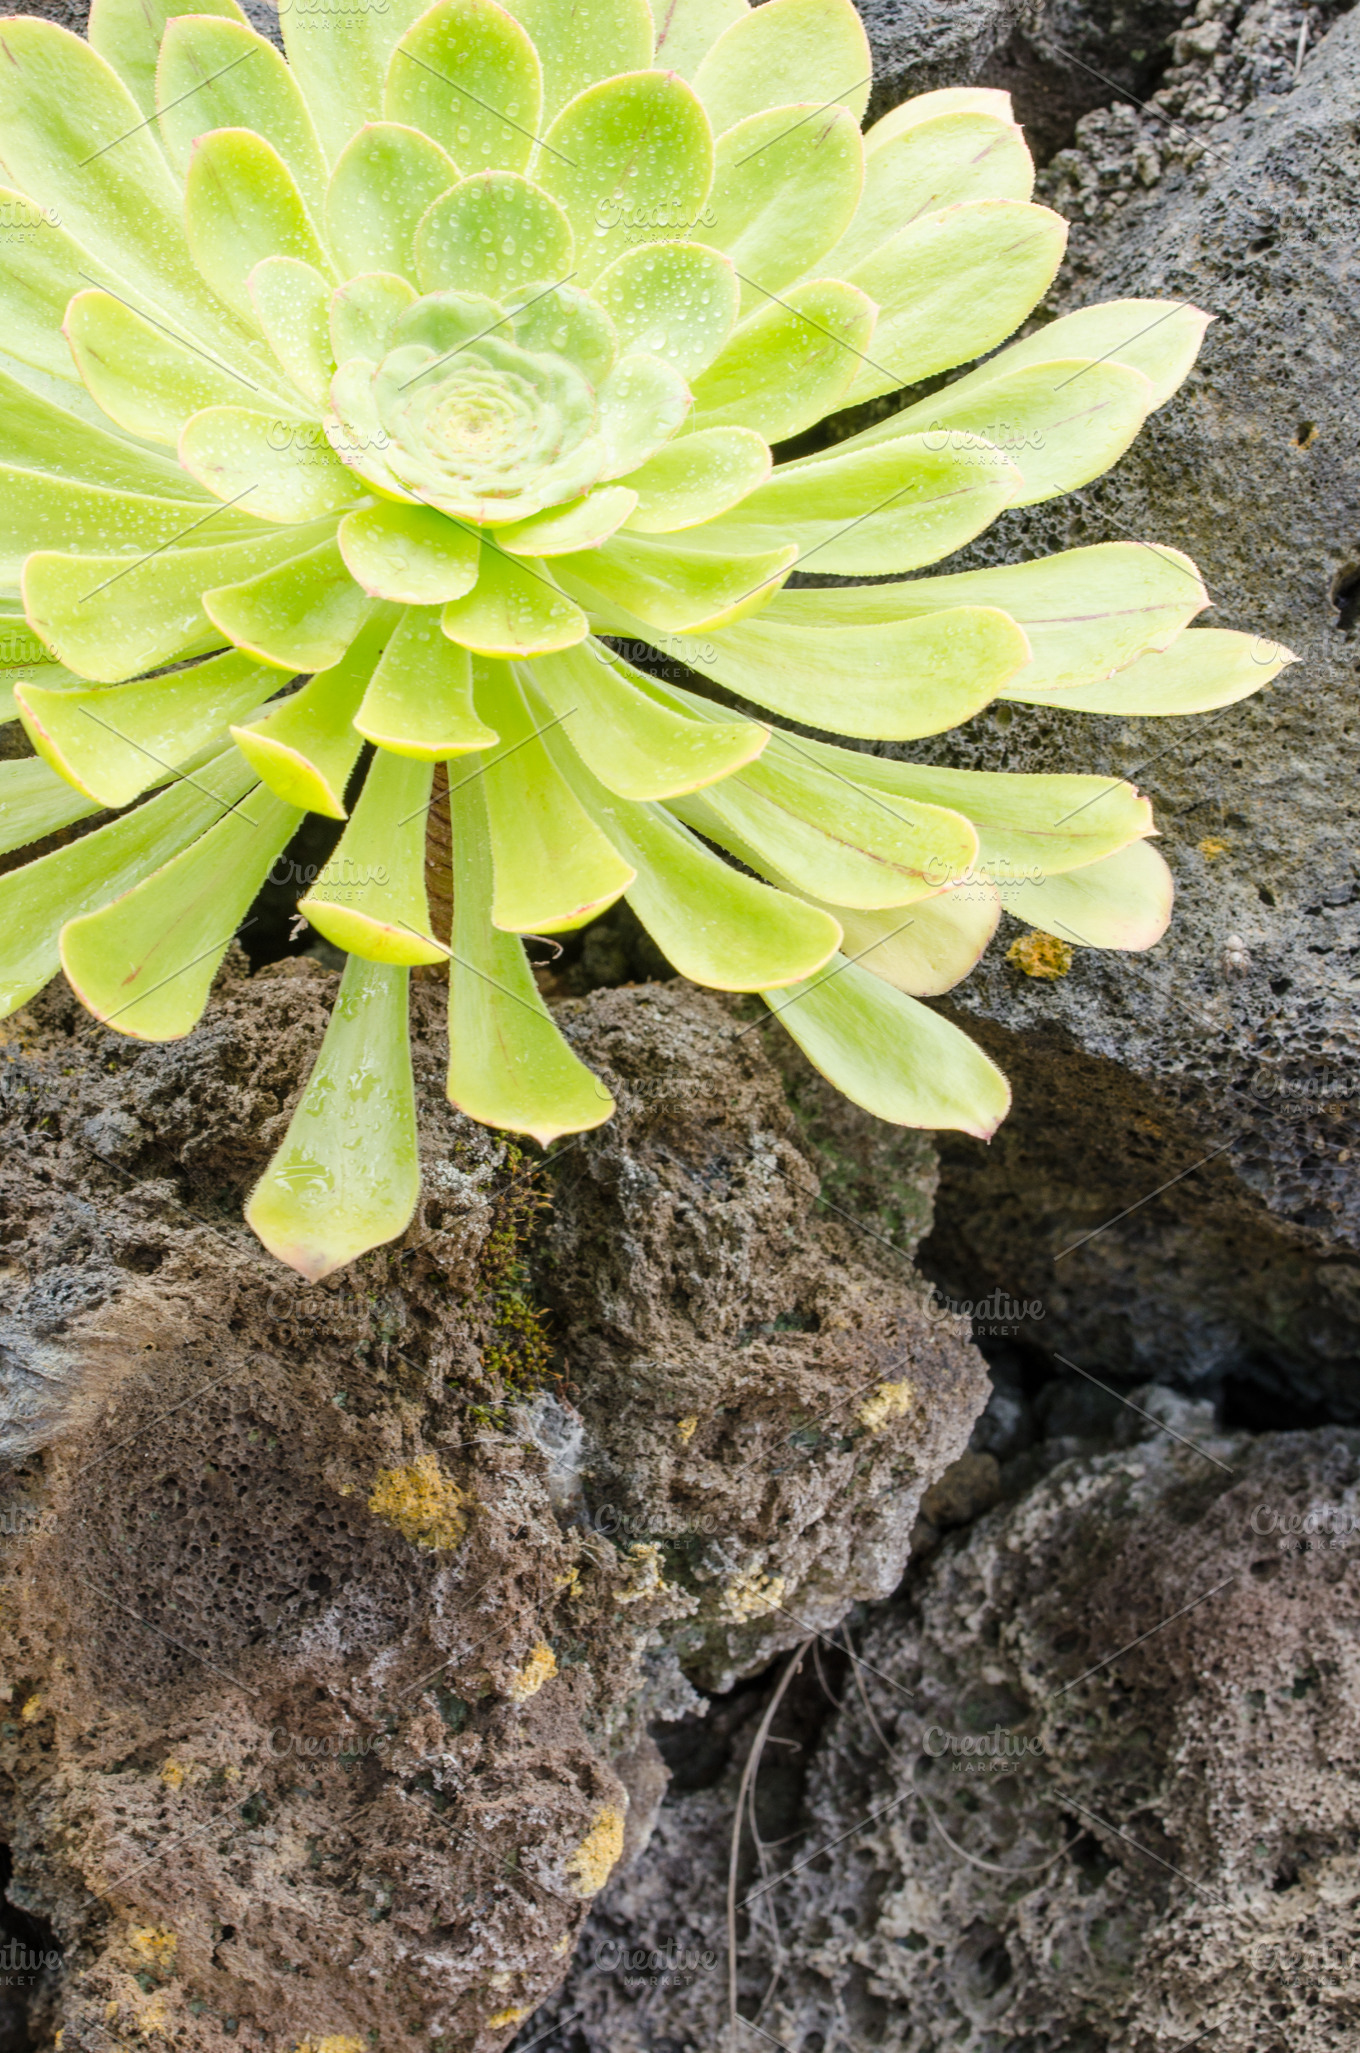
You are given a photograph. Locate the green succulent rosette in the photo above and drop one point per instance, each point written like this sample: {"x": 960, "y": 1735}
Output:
{"x": 373, "y": 396}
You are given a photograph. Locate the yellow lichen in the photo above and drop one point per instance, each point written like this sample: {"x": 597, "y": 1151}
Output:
{"x": 528, "y": 1680}
{"x": 889, "y": 1401}
{"x": 570, "y": 1582}
{"x": 422, "y": 1503}
{"x": 334, "y": 2043}
{"x": 32, "y": 1709}
{"x": 1211, "y": 847}
{"x": 561, "y": 1946}
{"x": 153, "y": 2018}
{"x": 643, "y": 1576}
{"x": 752, "y": 1595}
{"x": 155, "y": 1945}
{"x": 686, "y": 1430}
{"x": 1041, "y": 955}
{"x": 593, "y": 1861}
{"x": 516, "y": 2014}
{"x": 173, "y": 1773}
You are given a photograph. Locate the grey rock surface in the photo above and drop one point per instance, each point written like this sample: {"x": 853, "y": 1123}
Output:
{"x": 1090, "y": 1785}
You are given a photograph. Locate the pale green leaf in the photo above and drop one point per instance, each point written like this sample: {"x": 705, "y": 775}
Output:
{"x": 419, "y": 702}
{"x": 156, "y": 611}
{"x": 38, "y": 511}
{"x": 1029, "y": 825}
{"x": 142, "y": 377}
{"x": 35, "y": 801}
{"x": 717, "y": 926}
{"x": 114, "y": 742}
{"x": 1060, "y": 423}
{"x": 514, "y": 609}
{"x": 100, "y": 866}
{"x": 791, "y": 364}
{"x": 1123, "y": 901}
{"x": 467, "y": 75}
{"x": 952, "y": 285}
{"x": 302, "y": 615}
{"x": 892, "y": 1055}
{"x": 214, "y": 73}
{"x": 691, "y": 480}
{"x": 1200, "y": 671}
{"x": 623, "y": 154}
{"x": 508, "y": 1064}
{"x": 677, "y": 302}
{"x": 560, "y": 530}
{"x": 923, "y": 168}
{"x": 686, "y": 31}
{"x": 673, "y": 591}
{"x": 370, "y": 897}
{"x": 1085, "y": 612}
{"x": 241, "y": 205}
{"x": 127, "y": 34}
{"x": 492, "y": 233}
{"x": 828, "y": 836}
{"x": 636, "y": 746}
{"x": 1160, "y": 338}
{"x": 409, "y": 553}
{"x": 874, "y": 511}
{"x": 784, "y": 52}
{"x": 305, "y": 747}
{"x": 588, "y": 41}
{"x": 38, "y": 435}
{"x": 339, "y": 56}
{"x": 76, "y": 140}
{"x": 641, "y": 403}
{"x": 384, "y": 182}
{"x": 894, "y": 681}
{"x": 931, "y": 947}
{"x": 786, "y": 184}
{"x": 292, "y": 306}
{"x": 145, "y": 963}
{"x": 554, "y": 867}
{"x": 364, "y": 313}
{"x": 285, "y": 469}
{"x": 346, "y": 1176}
{"x": 564, "y": 321}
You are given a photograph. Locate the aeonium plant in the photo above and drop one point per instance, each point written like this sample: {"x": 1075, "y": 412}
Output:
{"x": 355, "y": 403}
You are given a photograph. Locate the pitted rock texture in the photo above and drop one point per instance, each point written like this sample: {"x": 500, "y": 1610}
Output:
{"x": 765, "y": 1391}
{"x": 1093, "y": 1786}
{"x": 323, "y": 1705}
{"x": 309, "y": 1698}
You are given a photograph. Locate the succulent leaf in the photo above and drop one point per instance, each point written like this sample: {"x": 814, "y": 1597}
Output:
{"x": 306, "y": 745}
{"x": 1199, "y": 672}
{"x": 147, "y": 960}
{"x": 891, "y": 1054}
{"x": 1122, "y": 901}
{"x": 636, "y": 745}
{"x": 370, "y": 898}
{"x": 36, "y": 900}
{"x": 347, "y": 1174}
{"x": 391, "y": 377}
{"x": 114, "y": 742}
{"x": 509, "y": 1066}
{"x": 419, "y": 699}
{"x": 554, "y": 867}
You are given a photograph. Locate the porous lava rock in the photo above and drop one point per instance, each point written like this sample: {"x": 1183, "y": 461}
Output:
{"x": 766, "y": 1388}
{"x": 323, "y": 1700}
{"x": 1091, "y": 1784}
